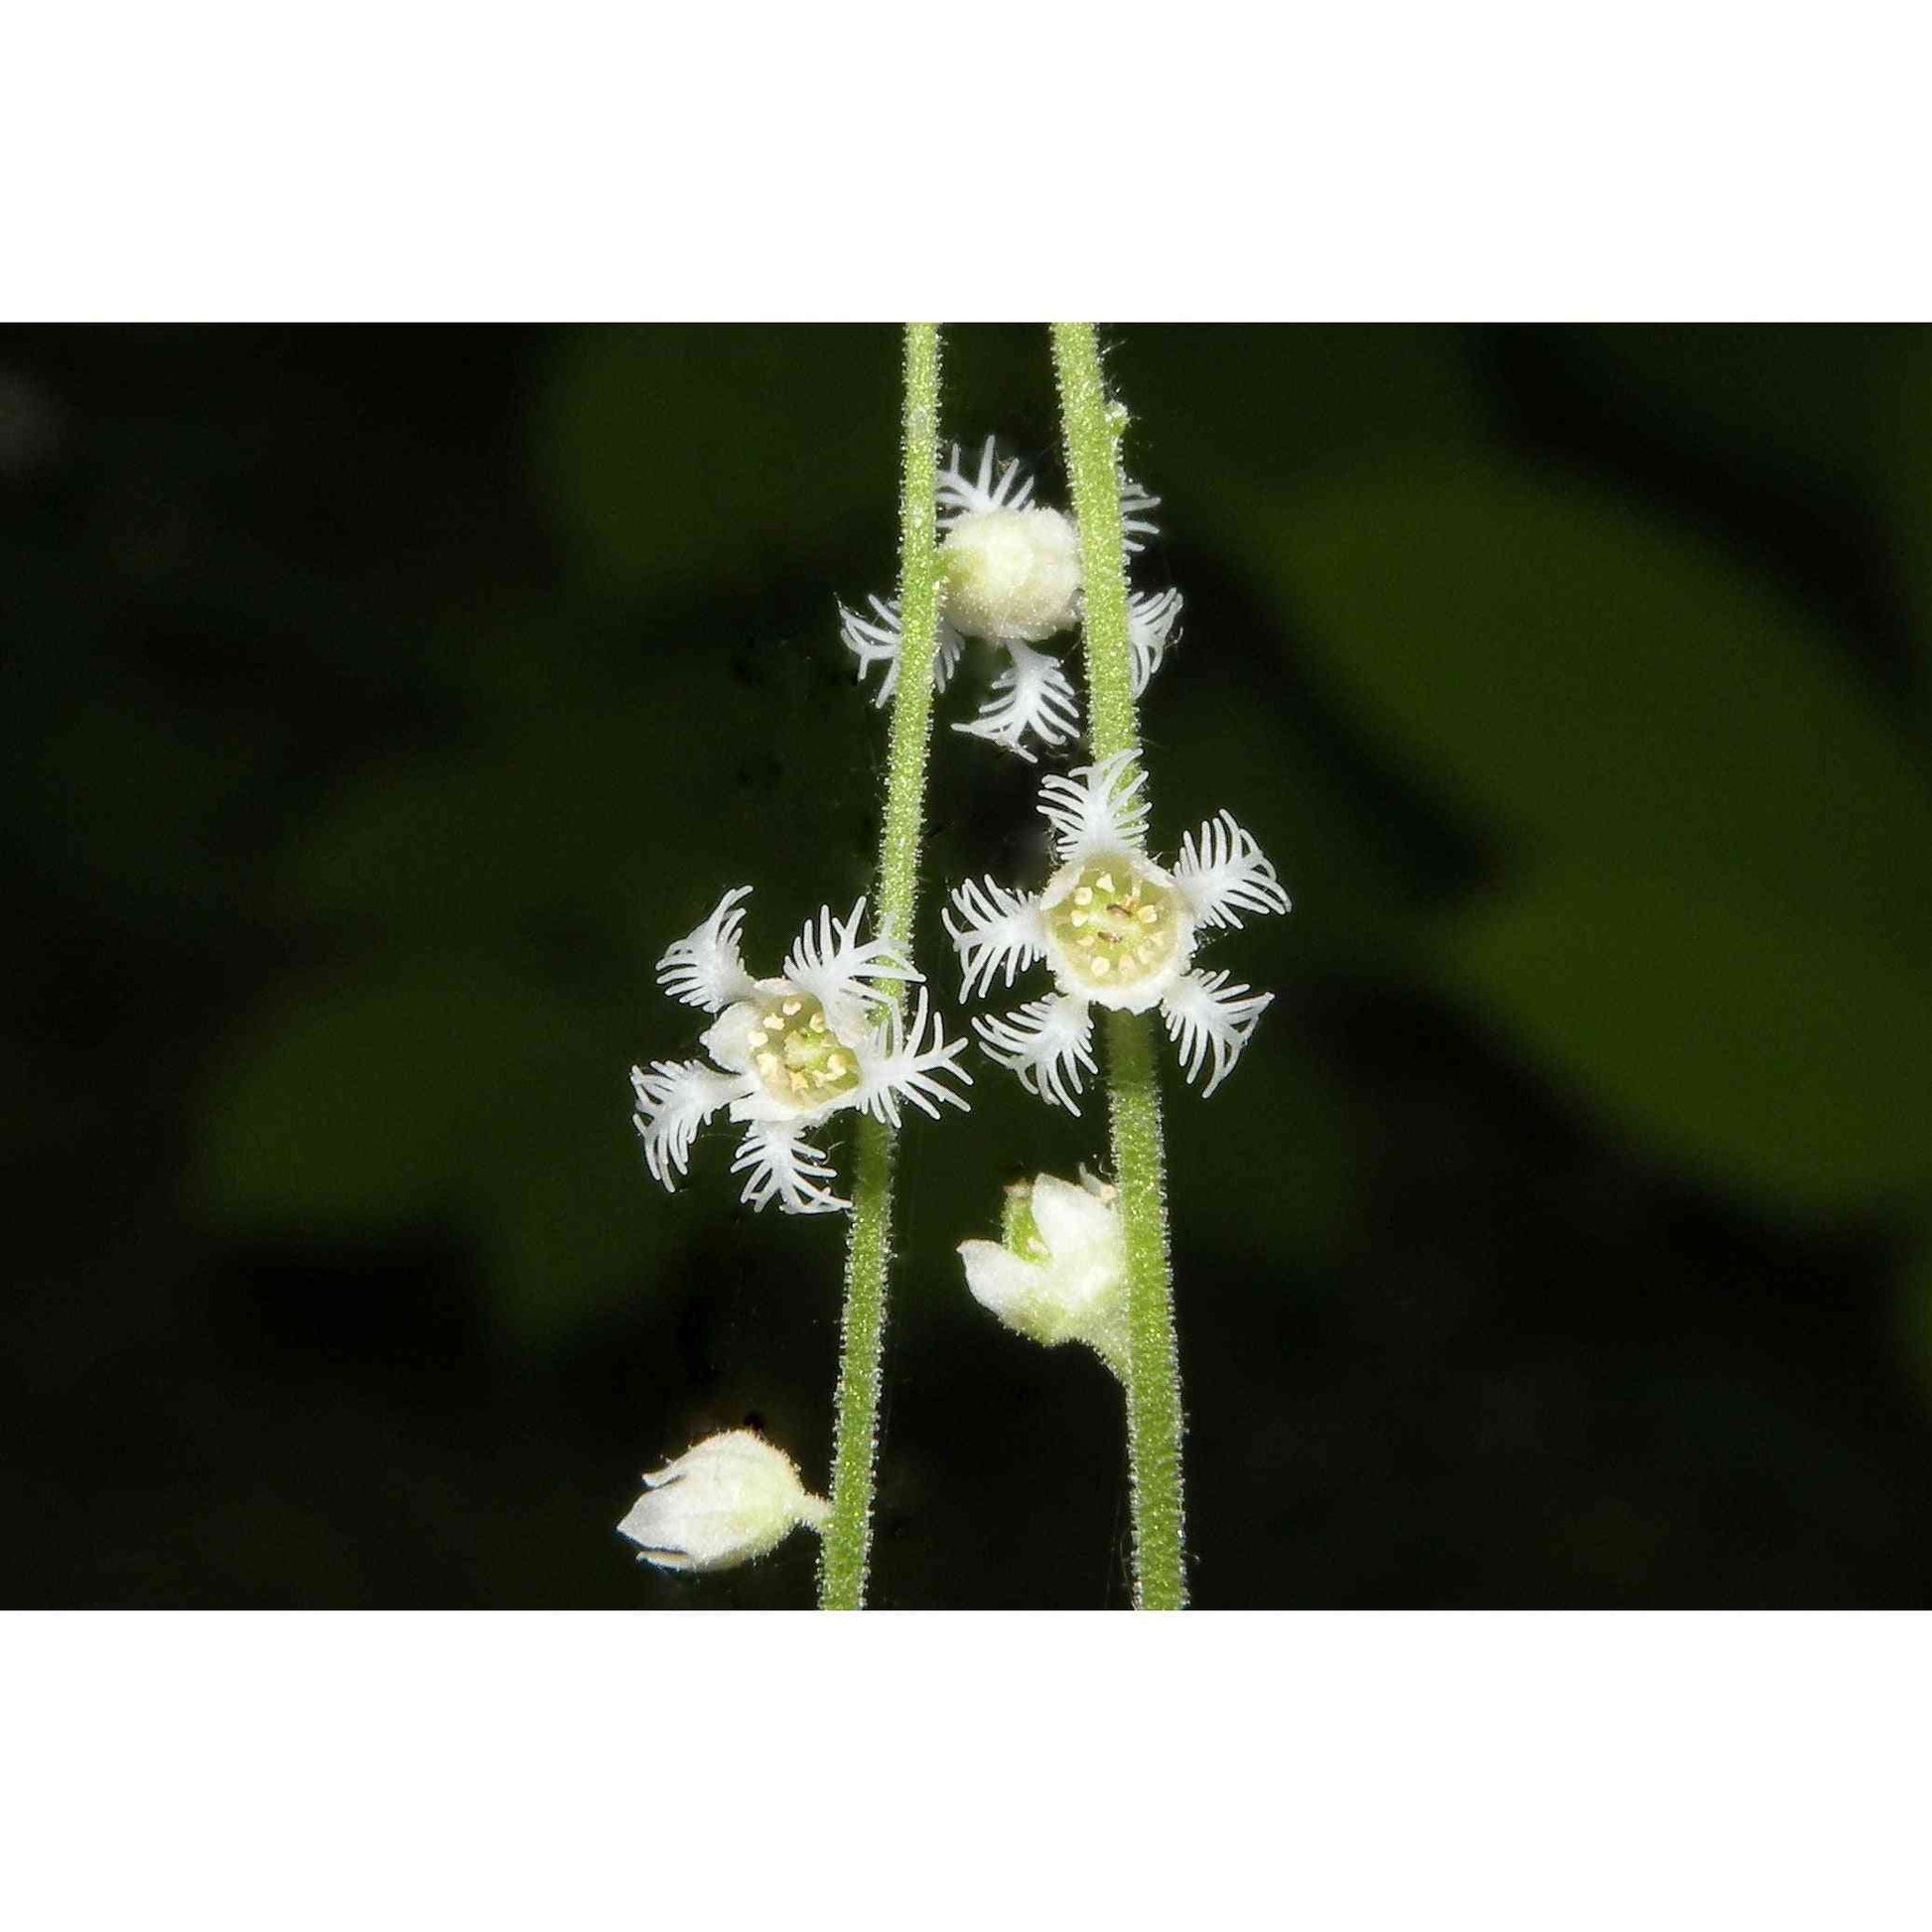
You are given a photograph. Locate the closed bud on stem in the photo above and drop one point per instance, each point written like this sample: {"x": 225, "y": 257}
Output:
{"x": 731, "y": 1498}
{"x": 1059, "y": 1272}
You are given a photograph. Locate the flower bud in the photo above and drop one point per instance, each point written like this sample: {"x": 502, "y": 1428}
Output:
{"x": 1061, "y": 1272}
{"x": 1012, "y": 574}
{"x": 731, "y": 1498}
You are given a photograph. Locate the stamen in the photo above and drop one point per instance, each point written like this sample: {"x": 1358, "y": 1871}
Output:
{"x": 1084, "y": 896}
{"x": 792, "y": 1006}
{"x": 1102, "y": 966}
{"x": 1149, "y": 915}
{"x": 1105, "y": 883}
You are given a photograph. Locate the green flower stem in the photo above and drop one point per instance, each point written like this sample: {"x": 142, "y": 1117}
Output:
{"x": 847, "y": 1534}
{"x": 1092, "y": 426}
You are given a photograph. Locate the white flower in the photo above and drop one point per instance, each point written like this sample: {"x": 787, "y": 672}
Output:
{"x": 731, "y": 1498}
{"x": 1061, "y": 1272}
{"x": 789, "y": 1052}
{"x": 1012, "y": 578}
{"x": 1116, "y": 930}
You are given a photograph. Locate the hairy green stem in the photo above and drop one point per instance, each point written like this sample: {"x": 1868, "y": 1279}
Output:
{"x": 1093, "y": 428}
{"x": 847, "y": 1534}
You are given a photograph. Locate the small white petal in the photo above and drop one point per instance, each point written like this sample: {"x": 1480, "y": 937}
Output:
{"x": 842, "y": 972}
{"x": 1151, "y": 618}
{"x": 729, "y": 1499}
{"x": 1031, "y": 695}
{"x": 1136, "y": 525}
{"x": 877, "y": 640}
{"x": 958, "y": 495}
{"x": 778, "y": 1163}
{"x": 1096, "y": 808}
{"x": 897, "y": 1063}
{"x": 1047, "y": 1042}
{"x": 674, "y": 1100}
{"x": 1221, "y": 872}
{"x": 1075, "y": 1220}
{"x": 1203, "y": 1014}
{"x": 874, "y": 640}
{"x": 703, "y": 968}
{"x": 996, "y": 929}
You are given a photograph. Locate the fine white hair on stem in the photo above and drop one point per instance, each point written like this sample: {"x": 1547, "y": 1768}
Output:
{"x": 958, "y": 494}
{"x": 1047, "y": 1042}
{"x": 1032, "y": 694}
{"x": 1096, "y": 807}
{"x": 1151, "y": 618}
{"x": 1222, "y": 872}
{"x": 776, "y": 1162}
{"x": 1205, "y": 1014}
{"x": 703, "y": 968}
{"x": 997, "y": 929}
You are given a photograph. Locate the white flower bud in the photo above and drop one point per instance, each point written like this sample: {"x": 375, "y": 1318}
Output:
{"x": 1012, "y": 574}
{"x": 1060, "y": 1274}
{"x": 731, "y": 1498}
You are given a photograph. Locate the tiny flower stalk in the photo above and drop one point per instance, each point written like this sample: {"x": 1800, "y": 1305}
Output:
{"x": 1092, "y": 426}
{"x": 846, "y": 1534}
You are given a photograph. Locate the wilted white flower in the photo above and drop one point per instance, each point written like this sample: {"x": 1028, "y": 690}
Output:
{"x": 731, "y": 1498}
{"x": 1118, "y": 931}
{"x": 789, "y": 1052}
{"x": 1012, "y": 578}
{"x": 1059, "y": 1273}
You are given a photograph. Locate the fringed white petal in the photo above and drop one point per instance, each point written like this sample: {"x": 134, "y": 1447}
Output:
{"x": 1222, "y": 872}
{"x": 947, "y": 646}
{"x": 1096, "y": 808}
{"x": 703, "y": 968}
{"x": 901, "y": 1065}
{"x": 958, "y": 494}
{"x": 1136, "y": 525}
{"x": 877, "y": 640}
{"x": 1047, "y": 1042}
{"x": 997, "y": 929}
{"x": 829, "y": 961}
{"x": 1151, "y": 618}
{"x": 874, "y": 640}
{"x": 778, "y": 1164}
{"x": 674, "y": 1100}
{"x": 1032, "y": 694}
{"x": 1205, "y": 1015}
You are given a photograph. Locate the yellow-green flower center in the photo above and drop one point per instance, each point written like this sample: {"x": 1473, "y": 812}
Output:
{"x": 797, "y": 1056}
{"x": 1114, "y": 926}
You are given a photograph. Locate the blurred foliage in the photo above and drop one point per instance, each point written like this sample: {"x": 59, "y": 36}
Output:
{"x": 1730, "y": 957}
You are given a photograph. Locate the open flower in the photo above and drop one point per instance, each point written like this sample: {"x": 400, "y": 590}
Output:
{"x": 1059, "y": 1272}
{"x": 1012, "y": 578}
{"x": 789, "y": 1052}
{"x": 1116, "y": 931}
{"x": 731, "y": 1498}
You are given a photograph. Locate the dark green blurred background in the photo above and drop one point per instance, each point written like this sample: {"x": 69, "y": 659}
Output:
{"x": 377, "y": 703}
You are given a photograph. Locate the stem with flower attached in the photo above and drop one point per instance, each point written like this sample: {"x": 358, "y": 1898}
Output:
{"x": 1093, "y": 428}
{"x": 847, "y": 1533}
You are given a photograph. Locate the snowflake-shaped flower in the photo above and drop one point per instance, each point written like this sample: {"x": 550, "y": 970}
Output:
{"x": 1116, "y": 931}
{"x": 787, "y": 1053}
{"x": 1012, "y": 578}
